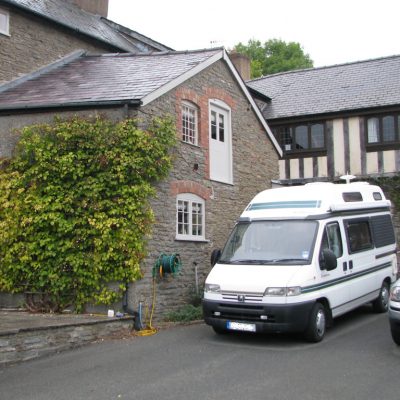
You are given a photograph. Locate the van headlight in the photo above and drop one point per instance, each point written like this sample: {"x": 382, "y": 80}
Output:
{"x": 211, "y": 288}
{"x": 283, "y": 291}
{"x": 395, "y": 294}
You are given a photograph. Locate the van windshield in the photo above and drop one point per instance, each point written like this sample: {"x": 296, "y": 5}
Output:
{"x": 270, "y": 242}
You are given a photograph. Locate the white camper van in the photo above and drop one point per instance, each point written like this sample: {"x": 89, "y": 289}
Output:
{"x": 299, "y": 257}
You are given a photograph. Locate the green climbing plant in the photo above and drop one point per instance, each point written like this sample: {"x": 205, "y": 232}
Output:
{"x": 74, "y": 207}
{"x": 391, "y": 187}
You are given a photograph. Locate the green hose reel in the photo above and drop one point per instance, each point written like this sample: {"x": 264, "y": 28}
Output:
{"x": 167, "y": 264}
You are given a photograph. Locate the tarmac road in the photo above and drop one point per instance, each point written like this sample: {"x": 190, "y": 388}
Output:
{"x": 357, "y": 360}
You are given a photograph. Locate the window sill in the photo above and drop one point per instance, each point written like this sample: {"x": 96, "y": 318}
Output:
{"x": 223, "y": 182}
{"x": 191, "y": 239}
{"x": 381, "y": 147}
{"x": 304, "y": 153}
{"x": 190, "y": 144}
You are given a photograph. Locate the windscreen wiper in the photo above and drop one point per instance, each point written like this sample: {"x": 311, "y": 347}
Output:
{"x": 252, "y": 261}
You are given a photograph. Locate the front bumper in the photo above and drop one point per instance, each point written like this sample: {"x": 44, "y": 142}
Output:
{"x": 266, "y": 317}
{"x": 394, "y": 312}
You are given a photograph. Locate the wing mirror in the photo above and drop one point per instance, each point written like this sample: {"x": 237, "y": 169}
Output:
{"x": 215, "y": 256}
{"x": 328, "y": 260}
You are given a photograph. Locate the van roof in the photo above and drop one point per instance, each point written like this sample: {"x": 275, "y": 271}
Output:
{"x": 315, "y": 199}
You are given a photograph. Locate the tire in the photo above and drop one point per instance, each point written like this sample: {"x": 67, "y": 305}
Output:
{"x": 395, "y": 331}
{"x": 316, "y": 328}
{"x": 381, "y": 303}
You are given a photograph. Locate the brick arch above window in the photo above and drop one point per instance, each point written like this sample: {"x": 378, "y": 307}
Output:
{"x": 178, "y": 187}
{"x": 219, "y": 94}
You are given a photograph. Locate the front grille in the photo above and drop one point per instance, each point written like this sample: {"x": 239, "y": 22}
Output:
{"x": 242, "y": 297}
{"x": 244, "y": 312}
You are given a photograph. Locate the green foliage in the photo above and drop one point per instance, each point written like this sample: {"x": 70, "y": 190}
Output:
{"x": 274, "y": 56}
{"x": 391, "y": 187}
{"x": 187, "y": 313}
{"x": 74, "y": 211}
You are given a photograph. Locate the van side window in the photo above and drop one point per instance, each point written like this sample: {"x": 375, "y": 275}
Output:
{"x": 359, "y": 235}
{"x": 382, "y": 230}
{"x": 332, "y": 240}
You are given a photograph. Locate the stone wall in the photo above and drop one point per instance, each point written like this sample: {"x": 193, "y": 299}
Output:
{"x": 34, "y": 43}
{"x": 38, "y": 342}
{"x": 10, "y": 125}
{"x": 255, "y": 163}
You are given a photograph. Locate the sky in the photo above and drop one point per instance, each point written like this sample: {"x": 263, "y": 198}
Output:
{"x": 329, "y": 31}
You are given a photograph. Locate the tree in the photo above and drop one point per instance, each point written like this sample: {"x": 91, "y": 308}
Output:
{"x": 74, "y": 210}
{"x": 274, "y": 56}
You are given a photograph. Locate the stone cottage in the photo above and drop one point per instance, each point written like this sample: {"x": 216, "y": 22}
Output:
{"x": 35, "y": 33}
{"x": 226, "y": 152}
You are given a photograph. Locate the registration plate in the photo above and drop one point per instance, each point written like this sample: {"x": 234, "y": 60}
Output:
{"x": 240, "y": 326}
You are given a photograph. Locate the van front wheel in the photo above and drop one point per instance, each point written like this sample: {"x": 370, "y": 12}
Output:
{"x": 316, "y": 328}
{"x": 380, "y": 304}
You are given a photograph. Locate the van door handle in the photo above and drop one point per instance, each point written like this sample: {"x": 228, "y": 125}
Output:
{"x": 351, "y": 264}
{"x": 345, "y": 266}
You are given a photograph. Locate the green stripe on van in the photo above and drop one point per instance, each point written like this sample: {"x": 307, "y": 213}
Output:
{"x": 286, "y": 204}
{"x": 343, "y": 279}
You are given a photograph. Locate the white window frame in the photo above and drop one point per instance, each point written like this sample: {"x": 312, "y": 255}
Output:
{"x": 190, "y": 132}
{"x": 5, "y": 27}
{"x": 190, "y": 200}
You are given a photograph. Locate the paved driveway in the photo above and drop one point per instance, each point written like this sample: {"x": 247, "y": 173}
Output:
{"x": 357, "y": 360}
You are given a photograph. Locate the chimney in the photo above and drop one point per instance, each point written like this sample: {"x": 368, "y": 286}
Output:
{"x": 99, "y": 7}
{"x": 242, "y": 64}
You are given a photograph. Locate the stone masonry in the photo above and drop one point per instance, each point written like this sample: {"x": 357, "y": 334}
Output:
{"x": 33, "y": 44}
{"x": 255, "y": 163}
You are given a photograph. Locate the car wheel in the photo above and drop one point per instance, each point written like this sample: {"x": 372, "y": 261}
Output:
{"x": 395, "y": 331}
{"x": 316, "y": 328}
{"x": 380, "y": 304}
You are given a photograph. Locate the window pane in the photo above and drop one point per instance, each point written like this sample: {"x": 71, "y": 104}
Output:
{"x": 183, "y": 217}
{"x": 388, "y": 132}
{"x": 271, "y": 240}
{"x": 334, "y": 239}
{"x": 301, "y": 134}
{"x": 190, "y": 217}
{"x": 3, "y": 22}
{"x": 359, "y": 236}
{"x": 189, "y": 124}
{"x": 286, "y": 138}
{"x": 197, "y": 217}
{"x": 373, "y": 130}
{"x": 398, "y": 128}
{"x": 221, "y": 128}
{"x": 213, "y": 125}
{"x": 317, "y": 136}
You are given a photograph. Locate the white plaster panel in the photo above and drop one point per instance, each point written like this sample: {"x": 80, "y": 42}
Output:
{"x": 322, "y": 167}
{"x": 308, "y": 167}
{"x": 389, "y": 161}
{"x": 372, "y": 163}
{"x": 355, "y": 146}
{"x": 338, "y": 146}
{"x": 282, "y": 169}
{"x": 294, "y": 168}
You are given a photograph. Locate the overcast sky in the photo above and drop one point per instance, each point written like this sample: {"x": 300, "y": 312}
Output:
{"x": 330, "y": 31}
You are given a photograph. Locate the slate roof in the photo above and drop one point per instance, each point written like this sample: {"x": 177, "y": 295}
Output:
{"x": 334, "y": 89}
{"x": 69, "y": 15}
{"x": 106, "y": 79}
